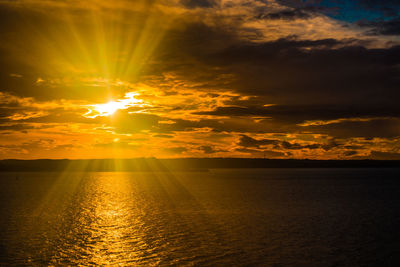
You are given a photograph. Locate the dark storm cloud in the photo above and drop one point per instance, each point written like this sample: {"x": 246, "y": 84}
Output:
{"x": 345, "y": 128}
{"x": 292, "y": 14}
{"x": 198, "y": 3}
{"x": 289, "y": 71}
{"x": 187, "y": 125}
{"x": 236, "y": 111}
{"x": 384, "y": 27}
{"x": 285, "y": 73}
{"x": 379, "y": 127}
{"x": 220, "y": 125}
{"x": 384, "y": 155}
{"x": 298, "y": 3}
{"x": 350, "y": 153}
{"x": 295, "y": 114}
{"x": 247, "y": 141}
{"x": 296, "y": 146}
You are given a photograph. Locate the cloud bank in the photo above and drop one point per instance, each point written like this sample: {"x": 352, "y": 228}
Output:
{"x": 229, "y": 78}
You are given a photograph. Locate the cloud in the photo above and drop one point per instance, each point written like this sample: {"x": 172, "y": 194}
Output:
{"x": 211, "y": 78}
{"x": 175, "y": 150}
{"x": 292, "y": 14}
{"x": 198, "y": 3}
{"x": 296, "y": 146}
{"x": 247, "y": 141}
{"x": 379, "y": 155}
{"x": 123, "y": 122}
{"x": 375, "y": 127}
{"x": 383, "y": 27}
{"x": 208, "y": 149}
{"x": 259, "y": 154}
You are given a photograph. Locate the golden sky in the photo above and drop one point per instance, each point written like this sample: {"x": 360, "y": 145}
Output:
{"x": 206, "y": 78}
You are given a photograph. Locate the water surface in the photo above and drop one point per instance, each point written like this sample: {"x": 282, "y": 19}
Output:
{"x": 297, "y": 217}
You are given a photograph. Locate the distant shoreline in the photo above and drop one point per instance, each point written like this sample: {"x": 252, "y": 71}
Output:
{"x": 183, "y": 164}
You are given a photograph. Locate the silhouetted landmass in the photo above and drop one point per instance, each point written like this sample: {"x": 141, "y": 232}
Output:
{"x": 187, "y": 164}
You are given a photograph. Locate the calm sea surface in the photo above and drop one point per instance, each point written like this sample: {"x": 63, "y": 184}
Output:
{"x": 226, "y": 217}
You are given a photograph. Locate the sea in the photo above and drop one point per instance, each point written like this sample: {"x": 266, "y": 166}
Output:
{"x": 216, "y": 217}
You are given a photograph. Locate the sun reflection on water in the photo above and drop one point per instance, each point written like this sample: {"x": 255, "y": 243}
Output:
{"x": 113, "y": 218}
{"x": 114, "y": 231}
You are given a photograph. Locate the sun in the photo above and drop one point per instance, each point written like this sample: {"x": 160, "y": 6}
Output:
{"x": 109, "y": 108}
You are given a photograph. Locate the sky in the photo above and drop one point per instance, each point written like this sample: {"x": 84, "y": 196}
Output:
{"x": 315, "y": 79}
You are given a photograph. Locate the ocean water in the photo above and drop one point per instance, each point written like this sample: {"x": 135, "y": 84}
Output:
{"x": 224, "y": 217}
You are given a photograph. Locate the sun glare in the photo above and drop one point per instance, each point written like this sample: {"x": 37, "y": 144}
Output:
{"x": 108, "y": 108}
{"x": 111, "y": 107}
